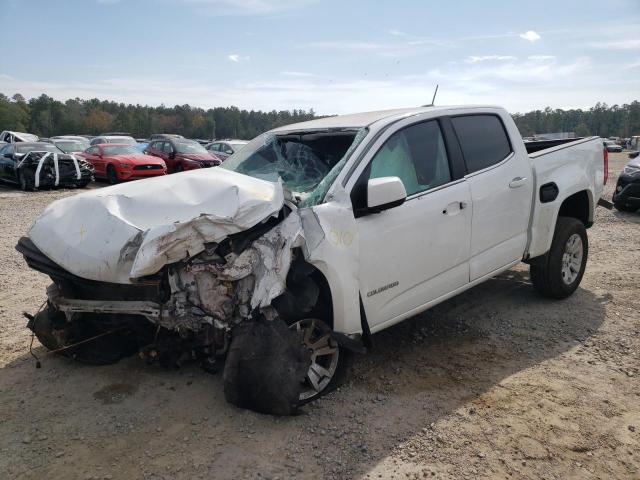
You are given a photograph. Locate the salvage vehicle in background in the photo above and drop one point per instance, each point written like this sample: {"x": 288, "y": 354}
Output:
{"x": 612, "y": 146}
{"x": 626, "y": 197}
{"x": 84, "y": 141}
{"x": 121, "y": 139}
{"x": 310, "y": 239}
{"x": 225, "y": 148}
{"x": 13, "y": 137}
{"x": 181, "y": 154}
{"x": 68, "y": 145}
{"x": 120, "y": 162}
{"x": 162, "y": 136}
{"x": 39, "y": 164}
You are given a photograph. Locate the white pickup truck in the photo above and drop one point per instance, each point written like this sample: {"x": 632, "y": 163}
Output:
{"x": 335, "y": 228}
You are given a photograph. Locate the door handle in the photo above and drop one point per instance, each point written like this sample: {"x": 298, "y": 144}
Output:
{"x": 454, "y": 207}
{"x": 517, "y": 182}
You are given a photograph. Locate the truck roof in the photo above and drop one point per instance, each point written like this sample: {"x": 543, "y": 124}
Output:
{"x": 359, "y": 120}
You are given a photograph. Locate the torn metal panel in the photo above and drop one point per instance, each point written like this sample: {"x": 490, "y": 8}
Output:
{"x": 49, "y": 169}
{"x": 333, "y": 247}
{"x": 94, "y": 235}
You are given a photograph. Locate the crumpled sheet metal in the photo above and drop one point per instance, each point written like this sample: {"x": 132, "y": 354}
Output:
{"x": 130, "y": 230}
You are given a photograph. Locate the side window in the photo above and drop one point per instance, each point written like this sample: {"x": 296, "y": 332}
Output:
{"x": 483, "y": 140}
{"x": 93, "y": 151}
{"x": 167, "y": 148}
{"x": 226, "y": 148}
{"x": 415, "y": 154}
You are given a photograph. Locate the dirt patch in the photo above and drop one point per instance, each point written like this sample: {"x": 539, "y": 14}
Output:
{"x": 494, "y": 383}
{"x": 114, "y": 393}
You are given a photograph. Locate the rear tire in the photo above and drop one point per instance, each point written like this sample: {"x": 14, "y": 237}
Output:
{"x": 558, "y": 273}
{"x": 112, "y": 175}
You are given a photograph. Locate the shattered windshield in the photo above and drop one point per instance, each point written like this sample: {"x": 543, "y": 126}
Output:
{"x": 301, "y": 159}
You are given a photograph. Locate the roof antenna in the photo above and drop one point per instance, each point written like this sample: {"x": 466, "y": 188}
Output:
{"x": 433, "y": 99}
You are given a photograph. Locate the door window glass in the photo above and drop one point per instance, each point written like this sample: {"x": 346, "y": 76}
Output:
{"x": 417, "y": 155}
{"x": 483, "y": 140}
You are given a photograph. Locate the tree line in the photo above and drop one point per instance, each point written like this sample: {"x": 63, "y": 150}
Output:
{"x": 46, "y": 117}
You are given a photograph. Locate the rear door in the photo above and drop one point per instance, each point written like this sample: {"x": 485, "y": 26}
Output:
{"x": 417, "y": 252}
{"x": 501, "y": 191}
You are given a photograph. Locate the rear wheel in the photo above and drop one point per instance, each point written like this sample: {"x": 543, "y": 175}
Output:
{"x": 559, "y": 272}
{"x": 112, "y": 175}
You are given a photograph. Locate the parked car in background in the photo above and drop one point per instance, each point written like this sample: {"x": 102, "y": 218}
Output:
{"x": 181, "y": 154}
{"x": 39, "y": 164}
{"x": 225, "y": 147}
{"x": 13, "y": 137}
{"x": 160, "y": 136}
{"x": 612, "y": 146}
{"x": 121, "y": 139}
{"x": 120, "y": 162}
{"x": 78, "y": 138}
{"x": 627, "y": 195}
{"x": 68, "y": 145}
{"x": 141, "y": 146}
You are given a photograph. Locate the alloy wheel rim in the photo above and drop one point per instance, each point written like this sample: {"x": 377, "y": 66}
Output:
{"x": 316, "y": 336}
{"x": 572, "y": 259}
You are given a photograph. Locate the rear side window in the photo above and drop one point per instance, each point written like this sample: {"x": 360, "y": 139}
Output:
{"x": 483, "y": 140}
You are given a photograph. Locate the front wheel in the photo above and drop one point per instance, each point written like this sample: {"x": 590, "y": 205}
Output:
{"x": 112, "y": 175}
{"x": 559, "y": 272}
{"x": 327, "y": 359}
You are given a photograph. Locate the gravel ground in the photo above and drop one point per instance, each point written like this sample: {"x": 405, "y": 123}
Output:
{"x": 495, "y": 383}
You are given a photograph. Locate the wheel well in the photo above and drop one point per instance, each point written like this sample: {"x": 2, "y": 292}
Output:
{"x": 576, "y": 206}
{"x": 308, "y": 293}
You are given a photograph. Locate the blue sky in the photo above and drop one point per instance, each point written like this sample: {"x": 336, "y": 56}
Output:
{"x": 333, "y": 56}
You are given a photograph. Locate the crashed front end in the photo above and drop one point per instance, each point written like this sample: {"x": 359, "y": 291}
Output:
{"x": 41, "y": 169}
{"x": 181, "y": 268}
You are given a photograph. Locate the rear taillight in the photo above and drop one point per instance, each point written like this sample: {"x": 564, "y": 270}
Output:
{"x": 605, "y": 160}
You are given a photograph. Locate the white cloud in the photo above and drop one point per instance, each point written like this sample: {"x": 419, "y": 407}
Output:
{"x": 486, "y": 58}
{"x": 234, "y": 57}
{"x": 530, "y": 35}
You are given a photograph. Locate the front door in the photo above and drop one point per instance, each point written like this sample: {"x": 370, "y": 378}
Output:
{"x": 415, "y": 253}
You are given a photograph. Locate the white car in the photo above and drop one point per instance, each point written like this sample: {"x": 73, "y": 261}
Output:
{"x": 14, "y": 137}
{"x": 336, "y": 228}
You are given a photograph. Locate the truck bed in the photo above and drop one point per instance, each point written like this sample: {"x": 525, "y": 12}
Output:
{"x": 536, "y": 146}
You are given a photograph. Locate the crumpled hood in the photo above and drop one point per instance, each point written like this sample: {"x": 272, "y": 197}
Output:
{"x": 131, "y": 230}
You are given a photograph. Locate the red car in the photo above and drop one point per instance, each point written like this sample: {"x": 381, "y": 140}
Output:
{"x": 181, "y": 154}
{"x": 120, "y": 162}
